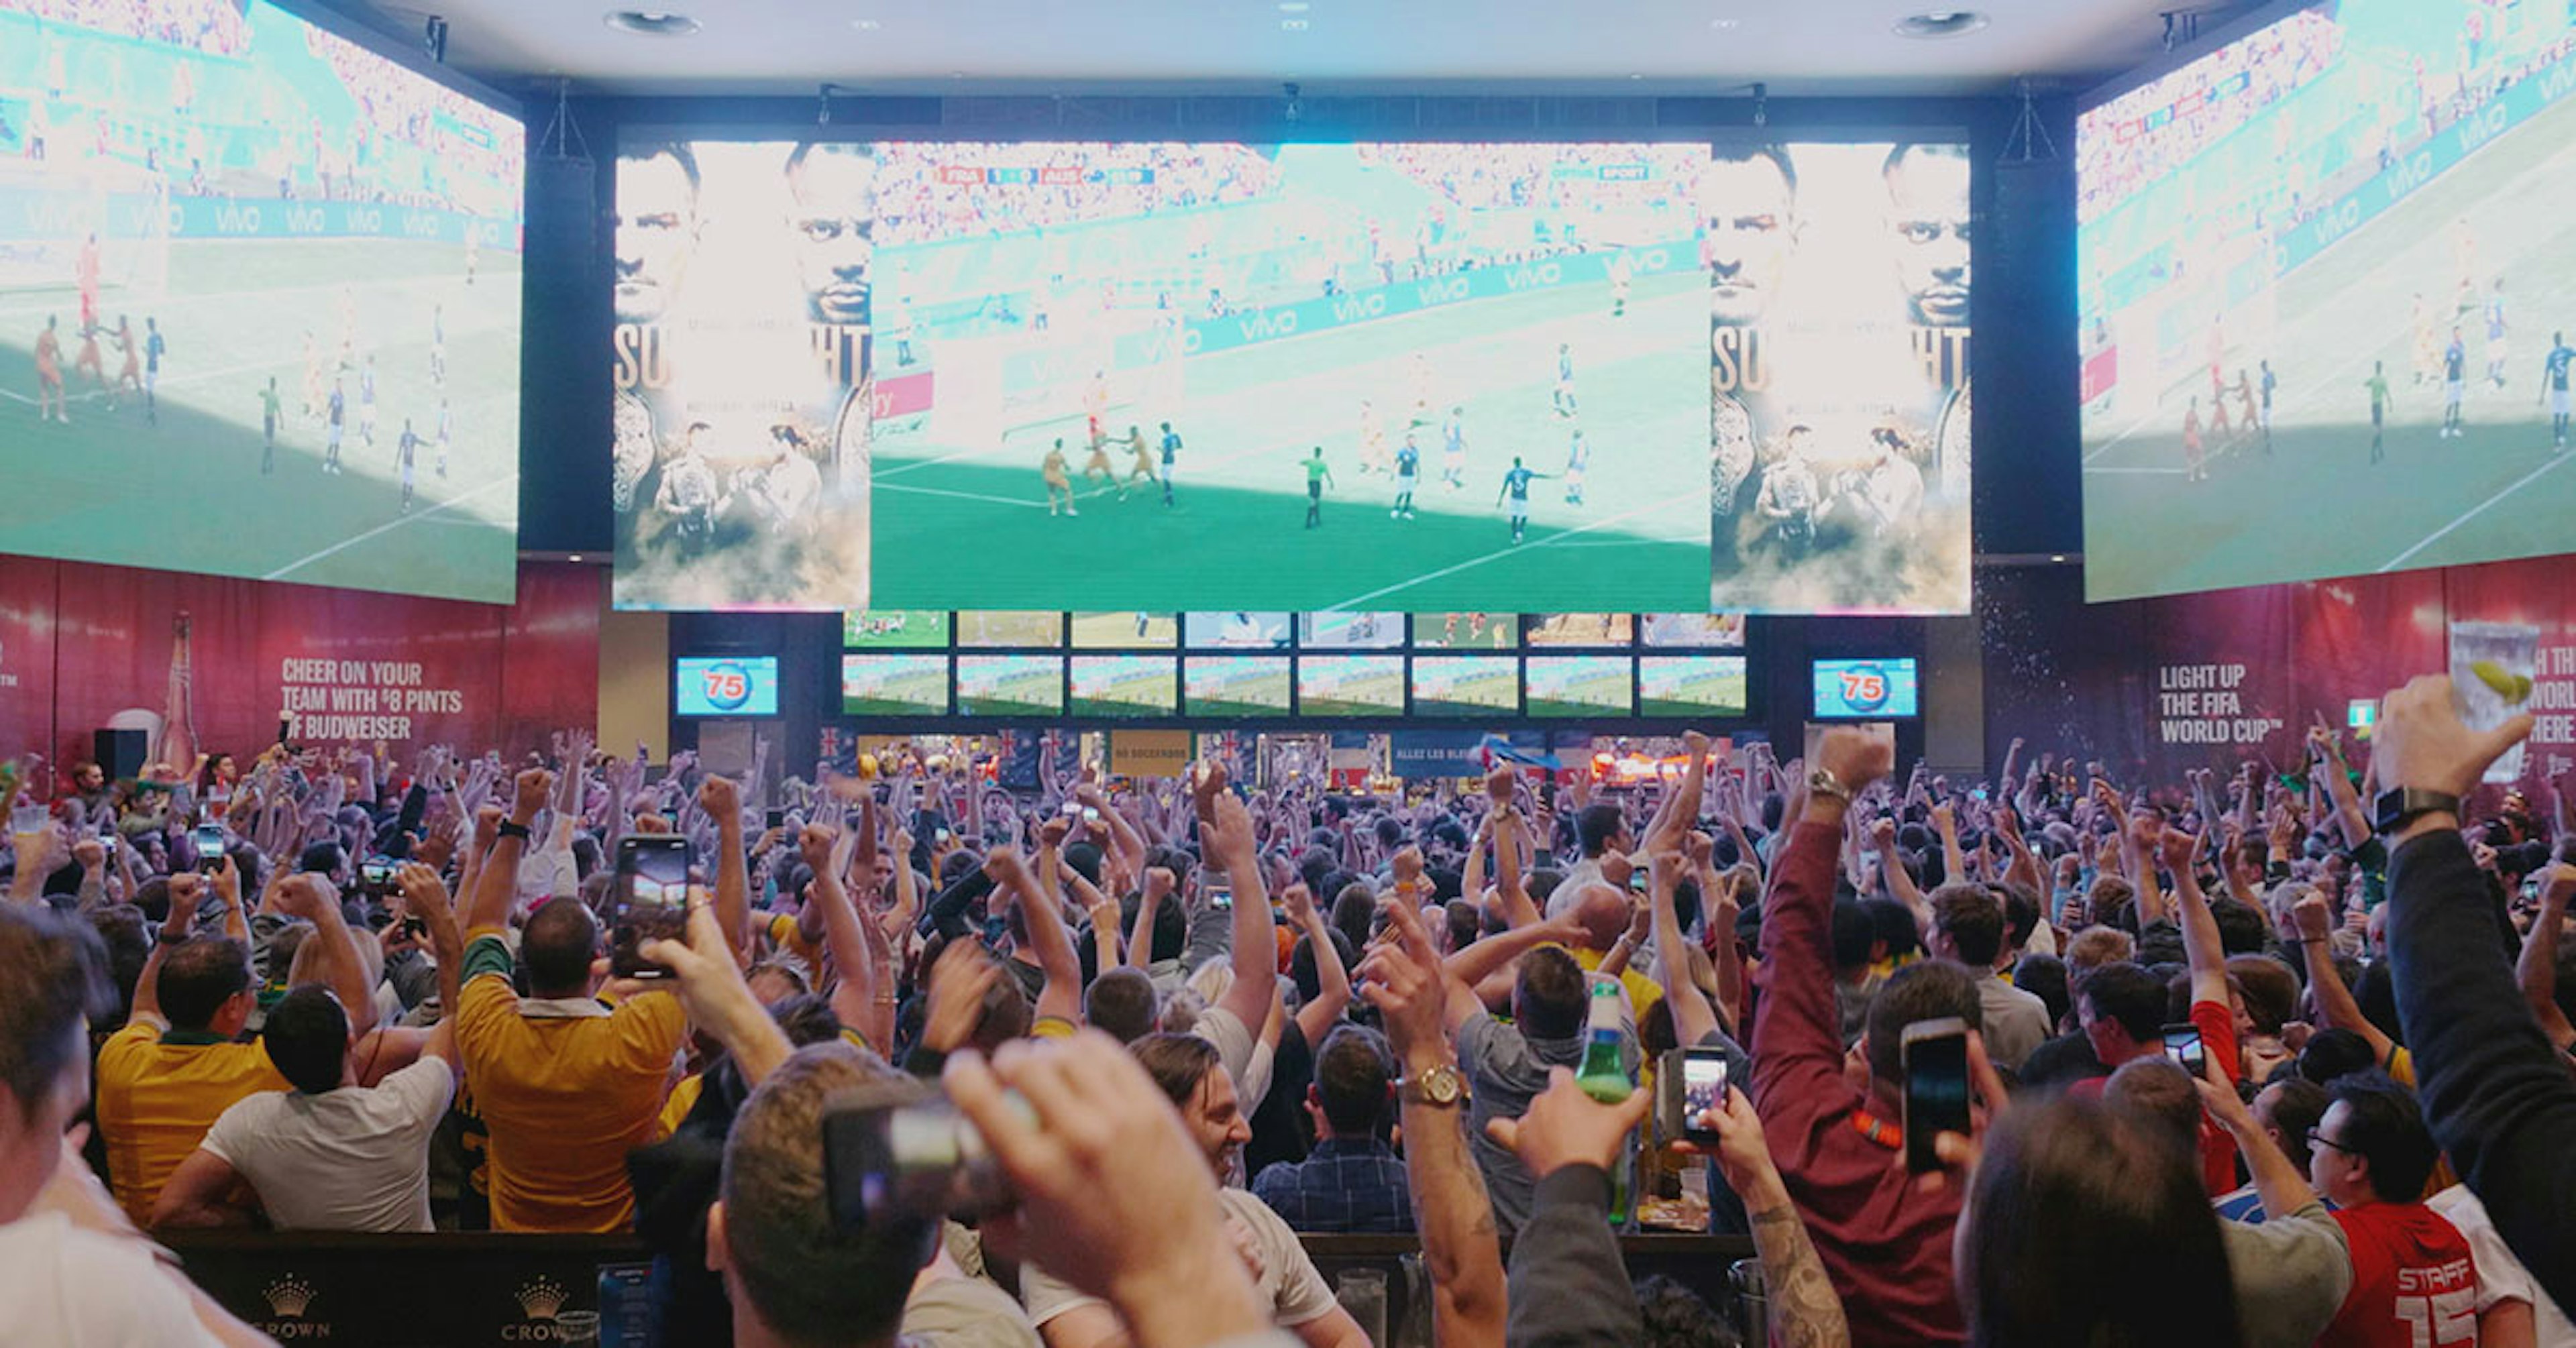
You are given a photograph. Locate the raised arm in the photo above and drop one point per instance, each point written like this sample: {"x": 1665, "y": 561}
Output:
{"x": 498, "y": 877}
{"x": 2537, "y": 970}
{"x": 1900, "y": 882}
{"x": 1332, "y": 981}
{"x": 1511, "y": 837}
{"x": 1692, "y": 1018}
{"x": 311, "y": 897}
{"x": 721, "y": 798}
{"x": 1402, "y": 979}
{"x": 2334, "y": 1001}
{"x": 2276, "y": 1181}
{"x": 860, "y": 990}
{"x": 1954, "y": 863}
{"x": 1806, "y": 1312}
{"x": 1225, "y": 834}
{"x": 2200, "y": 944}
{"x": 2330, "y": 765}
{"x": 1061, "y": 995}
{"x": 1159, "y": 884}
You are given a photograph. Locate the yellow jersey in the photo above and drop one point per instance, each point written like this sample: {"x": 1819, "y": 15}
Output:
{"x": 566, "y": 1088}
{"x": 158, "y": 1093}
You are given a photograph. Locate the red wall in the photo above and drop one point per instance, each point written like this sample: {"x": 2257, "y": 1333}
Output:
{"x": 80, "y": 643}
{"x": 2153, "y": 686}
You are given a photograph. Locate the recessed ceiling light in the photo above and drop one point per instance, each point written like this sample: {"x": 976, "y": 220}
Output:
{"x": 1723, "y": 25}
{"x": 865, "y": 25}
{"x": 1635, "y": 76}
{"x": 1940, "y": 23}
{"x": 573, "y": 558}
{"x": 2057, "y": 557}
{"x": 1292, "y": 25}
{"x": 650, "y": 22}
{"x": 1293, "y": 6}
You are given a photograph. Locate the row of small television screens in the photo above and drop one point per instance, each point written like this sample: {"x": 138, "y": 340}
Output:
{"x": 921, "y": 629}
{"x": 1319, "y": 686}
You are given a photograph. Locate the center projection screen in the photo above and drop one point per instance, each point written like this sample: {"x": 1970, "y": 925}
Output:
{"x": 1394, "y": 377}
{"x": 2323, "y": 300}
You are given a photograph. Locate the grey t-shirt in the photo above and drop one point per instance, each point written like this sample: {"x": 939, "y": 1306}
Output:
{"x": 1507, "y": 1070}
{"x": 352, "y": 1159}
{"x": 965, "y": 1312}
{"x": 1287, "y": 1279}
{"x": 2291, "y": 1276}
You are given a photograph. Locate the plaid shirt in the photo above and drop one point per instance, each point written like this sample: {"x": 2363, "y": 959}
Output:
{"x": 1345, "y": 1186}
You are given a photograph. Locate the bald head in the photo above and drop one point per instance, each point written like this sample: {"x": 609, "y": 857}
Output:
{"x": 1603, "y": 911}
{"x": 560, "y": 942}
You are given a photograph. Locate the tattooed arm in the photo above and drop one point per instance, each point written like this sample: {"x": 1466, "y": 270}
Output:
{"x": 1805, "y": 1312}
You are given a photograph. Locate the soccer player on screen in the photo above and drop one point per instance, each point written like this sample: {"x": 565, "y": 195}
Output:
{"x": 1622, "y": 272}
{"x": 268, "y": 413}
{"x": 1097, "y": 465}
{"x": 337, "y": 414}
{"x": 2270, "y": 383}
{"x": 130, "y": 369}
{"x": 153, "y": 349}
{"x": 88, "y": 269}
{"x": 367, "y": 401}
{"x": 1408, "y": 471}
{"x": 406, "y": 451}
{"x": 1749, "y": 219}
{"x": 312, "y": 376}
{"x": 1373, "y": 456}
{"x": 2495, "y": 335}
{"x": 2455, "y": 370}
{"x": 657, "y": 229}
{"x": 1140, "y": 462}
{"x": 1927, "y": 198}
{"x": 2377, "y": 386}
{"x": 1095, "y": 408}
{"x": 1059, "y": 486}
{"x": 1789, "y": 498}
{"x": 832, "y": 216}
{"x": 2245, "y": 413}
{"x": 2195, "y": 456}
{"x": 90, "y": 360}
{"x": 1578, "y": 457}
{"x": 2428, "y": 340}
{"x": 446, "y": 429}
{"x": 2553, "y": 383}
{"x": 1516, "y": 485}
{"x": 49, "y": 375}
{"x": 2221, "y": 430}
{"x": 438, "y": 346}
{"x": 1171, "y": 459}
{"x": 1319, "y": 475}
{"x": 1453, "y": 454}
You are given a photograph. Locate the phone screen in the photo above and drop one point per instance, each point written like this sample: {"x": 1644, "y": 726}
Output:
{"x": 652, "y": 900}
{"x": 1936, "y": 1092}
{"x": 376, "y": 874}
{"x": 210, "y": 848}
{"x": 2182, "y": 1044}
{"x": 777, "y": 818}
{"x": 1703, "y": 1089}
{"x": 1221, "y": 897}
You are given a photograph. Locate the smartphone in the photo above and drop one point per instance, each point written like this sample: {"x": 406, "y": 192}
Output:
{"x": 1936, "y": 1088}
{"x": 995, "y": 928}
{"x": 210, "y": 848}
{"x": 1072, "y": 808}
{"x": 650, "y": 899}
{"x": 944, "y": 836}
{"x": 777, "y": 819}
{"x": 1700, "y": 1087}
{"x": 1090, "y": 815}
{"x": 376, "y": 875}
{"x": 1638, "y": 880}
{"x": 2182, "y": 1044}
{"x": 1221, "y": 897}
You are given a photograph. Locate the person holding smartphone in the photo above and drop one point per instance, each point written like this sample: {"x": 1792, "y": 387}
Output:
{"x": 1883, "y": 1236}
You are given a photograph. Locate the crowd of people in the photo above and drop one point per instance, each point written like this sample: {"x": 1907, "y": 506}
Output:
{"x": 1067, "y": 183}
{"x": 215, "y": 27}
{"x": 2244, "y": 1062}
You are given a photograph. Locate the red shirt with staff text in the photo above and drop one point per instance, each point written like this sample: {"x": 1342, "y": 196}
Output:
{"x": 2414, "y": 1282}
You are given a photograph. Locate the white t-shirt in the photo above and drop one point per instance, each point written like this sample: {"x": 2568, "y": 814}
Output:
{"x": 1287, "y": 1280}
{"x": 354, "y": 1159}
{"x": 64, "y": 1287}
{"x": 2501, "y": 1276}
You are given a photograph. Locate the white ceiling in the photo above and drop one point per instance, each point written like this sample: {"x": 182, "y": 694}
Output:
{"x": 1799, "y": 47}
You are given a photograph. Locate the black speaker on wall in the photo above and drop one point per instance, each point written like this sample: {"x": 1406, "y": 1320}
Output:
{"x": 564, "y": 341}
{"x": 120, "y": 752}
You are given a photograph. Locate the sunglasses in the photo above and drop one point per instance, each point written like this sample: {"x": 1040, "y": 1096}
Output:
{"x": 2317, "y": 1138}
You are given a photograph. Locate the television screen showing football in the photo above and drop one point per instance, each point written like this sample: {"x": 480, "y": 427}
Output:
{"x": 1375, "y": 376}
{"x": 267, "y": 276}
{"x": 2323, "y": 300}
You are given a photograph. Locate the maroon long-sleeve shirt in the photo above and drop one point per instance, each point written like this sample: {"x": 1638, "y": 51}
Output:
{"x": 1885, "y": 1244}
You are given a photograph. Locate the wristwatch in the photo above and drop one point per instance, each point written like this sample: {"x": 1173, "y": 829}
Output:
{"x": 1823, "y": 782}
{"x": 1436, "y": 1085}
{"x": 2399, "y": 806}
{"x": 512, "y": 828}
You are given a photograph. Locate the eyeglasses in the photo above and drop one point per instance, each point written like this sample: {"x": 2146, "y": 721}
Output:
{"x": 2317, "y": 1138}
